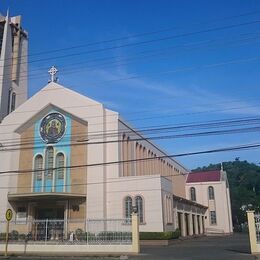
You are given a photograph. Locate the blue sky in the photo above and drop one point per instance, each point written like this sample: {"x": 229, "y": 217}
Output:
{"x": 181, "y": 75}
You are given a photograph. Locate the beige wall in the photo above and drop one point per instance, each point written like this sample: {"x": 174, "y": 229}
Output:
{"x": 25, "y": 162}
{"x": 77, "y": 213}
{"x": 78, "y": 157}
{"x": 178, "y": 185}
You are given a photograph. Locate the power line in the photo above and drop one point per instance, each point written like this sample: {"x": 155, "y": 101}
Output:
{"x": 184, "y": 69}
{"x": 224, "y": 149}
{"x": 138, "y": 55}
{"x": 186, "y": 135}
{"x": 173, "y": 115}
{"x": 145, "y": 130}
{"x": 153, "y": 130}
{"x": 137, "y": 35}
{"x": 144, "y": 42}
{"x": 257, "y": 58}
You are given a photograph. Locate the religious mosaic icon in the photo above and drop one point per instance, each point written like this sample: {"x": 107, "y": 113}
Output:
{"x": 52, "y": 127}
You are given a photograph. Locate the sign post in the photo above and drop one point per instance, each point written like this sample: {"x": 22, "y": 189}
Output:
{"x": 8, "y": 216}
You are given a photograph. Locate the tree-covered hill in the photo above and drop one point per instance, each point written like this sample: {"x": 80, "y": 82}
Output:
{"x": 244, "y": 182}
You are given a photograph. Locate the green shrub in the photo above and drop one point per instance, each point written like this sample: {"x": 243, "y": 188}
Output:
{"x": 90, "y": 236}
{"x": 14, "y": 235}
{"x": 176, "y": 233}
{"x": 2, "y": 236}
{"x": 80, "y": 234}
{"x": 160, "y": 235}
{"x": 22, "y": 237}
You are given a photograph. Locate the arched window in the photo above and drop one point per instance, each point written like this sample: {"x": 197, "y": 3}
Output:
{"x": 60, "y": 165}
{"x": 49, "y": 163}
{"x": 38, "y": 164}
{"x": 128, "y": 203}
{"x": 211, "y": 193}
{"x": 192, "y": 194}
{"x": 13, "y": 102}
{"x": 140, "y": 208}
{"x": 9, "y": 100}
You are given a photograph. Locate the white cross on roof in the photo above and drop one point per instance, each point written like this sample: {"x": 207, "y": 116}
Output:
{"x": 53, "y": 71}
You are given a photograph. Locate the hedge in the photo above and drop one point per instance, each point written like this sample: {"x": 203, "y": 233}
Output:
{"x": 160, "y": 235}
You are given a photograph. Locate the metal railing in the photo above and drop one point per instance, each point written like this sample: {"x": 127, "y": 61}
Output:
{"x": 257, "y": 227}
{"x": 91, "y": 231}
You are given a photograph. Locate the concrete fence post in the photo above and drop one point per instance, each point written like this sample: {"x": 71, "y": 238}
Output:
{"x": 135, "y": 233}
{"x": 252, "y": 231}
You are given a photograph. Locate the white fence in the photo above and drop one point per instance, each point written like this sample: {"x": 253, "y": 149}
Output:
{"x": 88, "y": 232}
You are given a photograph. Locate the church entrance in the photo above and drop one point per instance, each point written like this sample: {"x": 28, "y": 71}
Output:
{"x": 48, "y": 224}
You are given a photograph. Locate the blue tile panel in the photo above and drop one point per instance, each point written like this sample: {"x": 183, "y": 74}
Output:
{"x": 62, "y": 146}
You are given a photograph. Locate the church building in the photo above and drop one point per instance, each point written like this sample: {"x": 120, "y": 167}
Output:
{"x": 64, "y": 156}
{"x": 71, "y": 161}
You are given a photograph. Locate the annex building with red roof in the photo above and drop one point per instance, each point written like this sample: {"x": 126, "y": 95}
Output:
{"x": 211, "y": 189}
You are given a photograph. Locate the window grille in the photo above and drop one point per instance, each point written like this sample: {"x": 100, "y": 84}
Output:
{"x": 49, "y": 163}
{"x": 38, "y": 164}
{"x": 13, "y": 102}
{"x": 213, "y": 218}
{"x": 60, "y": 165}
{"x": 192, "y": 194}
{"x": 128, "y": 207}
{"x": 211, "y": 193}
{"x": 140, "y": 211}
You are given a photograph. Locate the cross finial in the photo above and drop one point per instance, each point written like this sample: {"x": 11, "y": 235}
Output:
{"x": 53, "y": 71}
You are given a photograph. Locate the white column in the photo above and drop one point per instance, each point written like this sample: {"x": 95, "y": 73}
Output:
{"x": 183, "y": 225}
{"x": 196, "y": 225}
{"x": 190, "y": 224}
{"x": 201, "y": 227}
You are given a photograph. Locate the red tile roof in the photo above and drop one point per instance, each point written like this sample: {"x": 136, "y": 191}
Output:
{"x": 204, "y": 176}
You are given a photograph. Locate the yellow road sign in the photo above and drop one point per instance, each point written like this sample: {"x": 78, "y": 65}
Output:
{"x": 9, "y": 215}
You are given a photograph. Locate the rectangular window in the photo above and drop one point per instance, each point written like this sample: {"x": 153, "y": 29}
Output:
{"x": 168, "y": 209}
{"x": 213, "y": 218}
{"x": 21, "y": 215}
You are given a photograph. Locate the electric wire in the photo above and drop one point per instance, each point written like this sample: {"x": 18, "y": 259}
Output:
{"x": 186, "y": 135}
{"x": 143, "y": 42}
{"x": 217, "y": 150}
{"x": 81, "y": 137}
{"x": 139, "y": 35}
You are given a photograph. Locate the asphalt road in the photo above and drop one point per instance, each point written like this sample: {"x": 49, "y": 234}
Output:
{"x": 232, "y": 247}
{"x": 209, "y": 248}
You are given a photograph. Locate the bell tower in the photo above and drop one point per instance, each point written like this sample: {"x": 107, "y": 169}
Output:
{"x": 13, "y": 64}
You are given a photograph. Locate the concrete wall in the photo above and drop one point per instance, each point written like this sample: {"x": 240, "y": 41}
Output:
{"x": 151, "y": 189}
